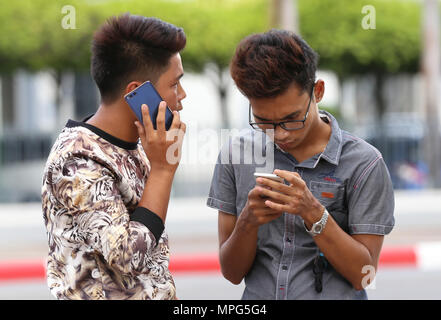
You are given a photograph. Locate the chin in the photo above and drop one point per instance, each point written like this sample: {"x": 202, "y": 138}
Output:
{"x": 287, "y": 146}
{"x": 296, "y": 143}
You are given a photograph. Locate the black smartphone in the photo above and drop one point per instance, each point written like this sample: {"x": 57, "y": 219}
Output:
{"x": 147, "y": 94}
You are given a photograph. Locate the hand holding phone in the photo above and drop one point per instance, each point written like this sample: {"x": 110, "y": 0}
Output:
{"x": 157, "y": 144}
{"x": 256, "y": 212}
{"x": 267, "y": 176}
{"x": 147, "y": 94}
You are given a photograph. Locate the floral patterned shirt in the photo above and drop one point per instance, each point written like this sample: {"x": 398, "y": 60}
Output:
{"x": 101, "y": 244}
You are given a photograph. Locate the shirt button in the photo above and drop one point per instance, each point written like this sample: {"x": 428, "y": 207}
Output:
{"x": 288, "y": 240}
{"x": 284, "y": 268}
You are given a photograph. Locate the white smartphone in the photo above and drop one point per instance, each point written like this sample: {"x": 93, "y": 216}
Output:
{"x": 268, "y": 176}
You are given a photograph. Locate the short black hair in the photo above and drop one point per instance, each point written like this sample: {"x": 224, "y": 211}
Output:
{"x": 266, "y": 64}
{"x": 130, "y": 47}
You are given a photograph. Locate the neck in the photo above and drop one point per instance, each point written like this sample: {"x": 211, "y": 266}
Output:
{"x": 116, "y": 119}
{"x": 315, "y": 141}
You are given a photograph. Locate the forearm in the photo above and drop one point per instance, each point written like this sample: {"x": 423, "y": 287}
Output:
{"x": 344, "y": 253}
{"x": 238, "y": 251}
{"x": 157, "y": 191}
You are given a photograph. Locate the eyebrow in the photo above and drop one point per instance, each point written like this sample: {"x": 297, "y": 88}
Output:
{"x": 180, "y": 76}
{"x": 291, "y": 115}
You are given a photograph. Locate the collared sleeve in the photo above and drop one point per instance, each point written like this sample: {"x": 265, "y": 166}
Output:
{"x": 371, "y": 200}
{"x": 222, "y": 194}
{"x": 93, "y": 214}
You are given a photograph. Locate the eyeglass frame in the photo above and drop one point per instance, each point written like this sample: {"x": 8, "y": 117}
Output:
{"x": 281, "y": 124}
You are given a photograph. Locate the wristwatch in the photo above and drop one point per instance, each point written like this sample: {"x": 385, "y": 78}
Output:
{"x": 318, "y": 227}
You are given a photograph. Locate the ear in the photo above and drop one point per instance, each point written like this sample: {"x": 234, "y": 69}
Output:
{"x": 319, "y": 90}
{"x": 132, "y": 86}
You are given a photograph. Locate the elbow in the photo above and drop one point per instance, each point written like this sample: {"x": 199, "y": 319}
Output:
{"x": 363, "y": 284}
{"x": 231, "y": 276}
{"x": 233, "y": 268}
{"x": 366, "y": 279}
{"x": 235, "y": 281}
{"x": 357, "y": 286}
{"x": 357, "y": 283}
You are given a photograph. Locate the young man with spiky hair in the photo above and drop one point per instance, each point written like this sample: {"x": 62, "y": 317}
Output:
{"x": 104, "y": 195}
{"x": 319, "y": 234}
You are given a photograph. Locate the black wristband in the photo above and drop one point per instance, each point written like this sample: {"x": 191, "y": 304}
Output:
{"x": 150, "y": 219}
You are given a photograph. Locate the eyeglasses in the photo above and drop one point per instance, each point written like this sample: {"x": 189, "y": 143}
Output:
{"x": 289, "y": 125}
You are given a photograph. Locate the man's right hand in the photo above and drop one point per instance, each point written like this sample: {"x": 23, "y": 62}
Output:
{"x": 158, "y": 143}
{"x": 255, "y": 213}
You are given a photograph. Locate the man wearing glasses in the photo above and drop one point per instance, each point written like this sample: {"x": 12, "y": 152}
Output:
{"x": 319, "y": 234}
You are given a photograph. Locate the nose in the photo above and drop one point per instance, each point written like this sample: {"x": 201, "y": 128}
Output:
{"x": 181, "y": 96}
{"x": 280, "y": 134}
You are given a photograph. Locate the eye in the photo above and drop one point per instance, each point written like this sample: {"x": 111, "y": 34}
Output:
{"x": 295, "y": 117}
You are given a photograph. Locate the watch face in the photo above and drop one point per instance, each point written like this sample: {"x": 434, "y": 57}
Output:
{"x": 318, "y": 228}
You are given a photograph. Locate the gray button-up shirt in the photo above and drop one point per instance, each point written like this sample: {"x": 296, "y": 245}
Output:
{"x": 349, "y": 178}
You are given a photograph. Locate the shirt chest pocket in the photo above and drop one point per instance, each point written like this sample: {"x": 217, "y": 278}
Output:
{"x": 332, "y": 196}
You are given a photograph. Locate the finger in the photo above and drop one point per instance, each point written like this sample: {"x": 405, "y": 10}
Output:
{"x": 280, "y": 197}
{"x": 176, "y": 134}
{"x": 176, "y": 123}
{"x": 277, "y": 206}
{"x": 148, "y": 125}
{"x": 292, "y": 177}
{"x": 160, "y": 118}
{"x": 267, "y": 211}
{"x": 140, "y": 128}
{"x": 274, "y": 185}
{"x": 270, "y": 215}
{"x": 254, "y": 193}
{"x": 183, "y": 127}
{"x": 182, "y": 130}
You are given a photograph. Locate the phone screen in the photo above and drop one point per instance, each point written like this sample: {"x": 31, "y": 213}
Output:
{"x": 147, "y": 94}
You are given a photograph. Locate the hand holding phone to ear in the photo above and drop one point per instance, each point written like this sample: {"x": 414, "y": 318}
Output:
{"x": 158, "y": 143}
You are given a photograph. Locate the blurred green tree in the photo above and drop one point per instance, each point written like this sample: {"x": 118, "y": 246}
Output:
{"x": 334, "y": 29}
{"x": 32, "y": 36}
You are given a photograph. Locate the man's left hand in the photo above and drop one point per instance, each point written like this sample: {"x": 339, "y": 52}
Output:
{"x": 296, "y": 197}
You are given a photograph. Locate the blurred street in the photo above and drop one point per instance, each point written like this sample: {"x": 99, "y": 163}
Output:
{"x": 391, "y": 284}
{"x": 192, "y": 229}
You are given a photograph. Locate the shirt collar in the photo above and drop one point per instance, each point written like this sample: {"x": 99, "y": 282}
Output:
{"x": 106, "y": 136}
{"x": 332, "y": 151}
